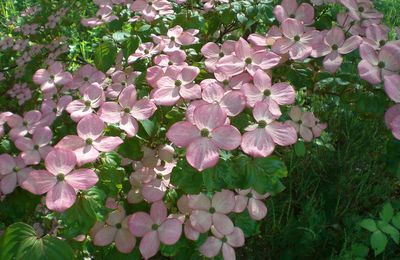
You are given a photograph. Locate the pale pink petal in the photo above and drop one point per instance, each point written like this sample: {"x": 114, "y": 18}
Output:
{"x": 104, "y": 236}
{"x": 107, "y": 143}
{"x": 230, "y": 65}
{"x": 223, "y": 201}
{"x": 149, "y": 245}
{"x": 242, "y": 49}
{"x": 283, "y": 93}
{"x": 170, "y": 231}
{"x": 110, "y": 112}
{"x": 257, "y": 209}
{"x": 226, "y": 137}
{"x": 129, "y": 125}
{"x": 200, "y": 201}
{"x": 127, "y": 97}
{"x": 209, "y": 116}
{"x": 90, "y": 127}
{"x": 222, "y": 223}
{"x": 124, "y": 241}
{"x": 190, "y": 232}
{"x": 24, "y": 144}
{"x": 82, "y": 179}
{"x": 306, "y": 133}
{"x": 369, "y": 72}
{"x": 183, "y": 133}
{"x": 211, "y": 247}
{"x": 240, "y": 203}
{"x": 332, "y": 62}
{"x": 292, "y": 27}
{"x": 39, "y": 182}
{"x": 233, "y": 103}
{"x": 201, "y": 220}
{"x": 202, "y": 153}
{"x": 140, "y": 224}
{"x": 41, "y": 76}
{"x": 42, "y": 136}
{"x": 60, "y": 161}
{"x": 7, "y": 164}
{"x": 60, "y": 197}
{"x": 166, "y": 96}
{"x": 190, "y": 91}
{"x": 228, "y": 252}
{"x": 71, "y": 142}
{"x": 86, "y": 154}
{"x": 257, "y": 143}
{"x": 282, "y": 134}
{"x": 392, "y": 87}
{"x": 8, "y": 183}
{"x": 236, "y": 238}
{"x": 143, "y": 109}
{"x": 350, "y": 44}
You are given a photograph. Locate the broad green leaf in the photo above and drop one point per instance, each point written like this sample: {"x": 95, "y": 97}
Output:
{"x": 390, "y": 230}
{"x": 120, "y": 36}
{"x": 368, "y": 224}
{"x": 359, "y": 250}
{"x": 300, "y": 149}
{"x": 172, "y": 250}
{"x": 387, "y": 212}
{"x": 21, "y": 242}
{"x": 396, "y": 220}
{"x": 378, "y": 242}
{"x": 130, "y": 45}
{"x": 248, "y": 225}
{"x": 187, "y": 178}
{"x": 104, "y": 56}
{"x": 131, "y": 149}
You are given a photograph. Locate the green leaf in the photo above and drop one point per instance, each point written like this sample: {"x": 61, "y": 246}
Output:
{"x": 187, "y": 178}
{"x": 396, "y": 220}
{"x": 387, "y": 212}
{"x": 172, "y": 250}
{"x": 262, "y": 174}
{"x": 368, "y": 224}
{"x": 131, "y": 149}
{"x": 378, "y": 242}
{"x": 149, "y": 126}
{"x": 130, "y": 45}
{"x": 120, "y": 36}
{"x": 104, "y": 56}
{"x": 20, "y": 242}
{"x": 390, "y": 230}
{"x": 300, "y": 149}
{"x": 359, "y": 250}
{"x": 248, "y": 225}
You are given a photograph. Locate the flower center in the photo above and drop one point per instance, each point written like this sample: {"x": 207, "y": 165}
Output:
{"x": 127, "y": 110}
{"x": 249, "y": 195}
{"x": 248, "y": 61}
{"x": 123, "y": 83}
{"x": 178, "y": 83}
{"x": 154, "y": 227}
{"x": 225, "y": 82}
{"x": 25, "y": 123}
{"x": 262, "y": 124}
{"x": 87, "y": 103}
{"x": 118, "y": 226}
{"x": 159, "y": 177}
{"x": 54, "y": 110}
{"x": 221, "y": 54}
{"x": 224, "y": 240}
{"x": 296, "y": 38}
{"x": 335, "y": 47}
{"x": 89, "y": 141}
{"x": 150, "y": 3}
{"x": 85, "y": 79}
{"x": 381, "y": 65}
{"x": 52, "y": 77}
{"x": 16, "y": 169}
{"x": 204, "y": 132}
{"x": 361, "y": 9}
{"x": 212, "y": 210}
{"x": 146, "y": 51}
{"x": 170, "y": 63}
{"x": 36, "y": 147}
{"x": 267, "y": 92}
{"x": 381, "y": 43}
{"x": 172, "y": 38}
{"x": 60, "y": 177}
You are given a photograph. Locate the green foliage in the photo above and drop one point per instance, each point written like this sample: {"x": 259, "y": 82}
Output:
{"x": 21, "y": 242}
{"x": 104, "y": 56}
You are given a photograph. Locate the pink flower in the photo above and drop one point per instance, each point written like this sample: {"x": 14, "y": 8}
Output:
{"x": 127, "y": 111}
{"x": 120, "y": 80}
{"x": 303, "y": 122}
{"x": 103, "y": 15}
{"x": 206, "y": 213}
{"x": 116, "y": 229}
{"x": 260, "y": 139}
{"x": 176, "y": 37}
{"x": 362, "y": 10}
{"x": 232, "y": 102}
{"x": 145, "y": 50}
{"x": 175, "y": 84}
{"x": 35, "y": 149}
{"x": 205, "y": 136}
{"x": 92, "y": 98}
{"x": 53, "y": 76}
{"x": 376, "y": 35}
{"x": 90, "y": 140}
{"x": 209, "y": 4}
{"x": 262, "y": 90}
{"x": 213, "y": 245}
{"x": 375, "y": 66}
{"x": 151, "y": 9}
{"x": 246, "y": 58}
{"x": 290, "y": 9}
{"x": 212, "y": 52}
{"x": 85, "y": 76}
{"x": 60, "y": 181}
{"x": 392, "y": 120}
{"x": 175, "y": 58}
{"x": 295, "y": 40}
{"x": 392, "y": 87}
{"x": 184, "y": 208}
{"x": 13, "y": 171}
{"x": 333, "y": 45}
{"x": 154, "y": 228}
{"x": 3, "y": 120}
{"x": 22, "y": 126}
{"x": 51, "y": 110}
{"x": 253, "y": 201}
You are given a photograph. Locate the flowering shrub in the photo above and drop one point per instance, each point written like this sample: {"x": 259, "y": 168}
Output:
{"x": 160, "y": 126}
